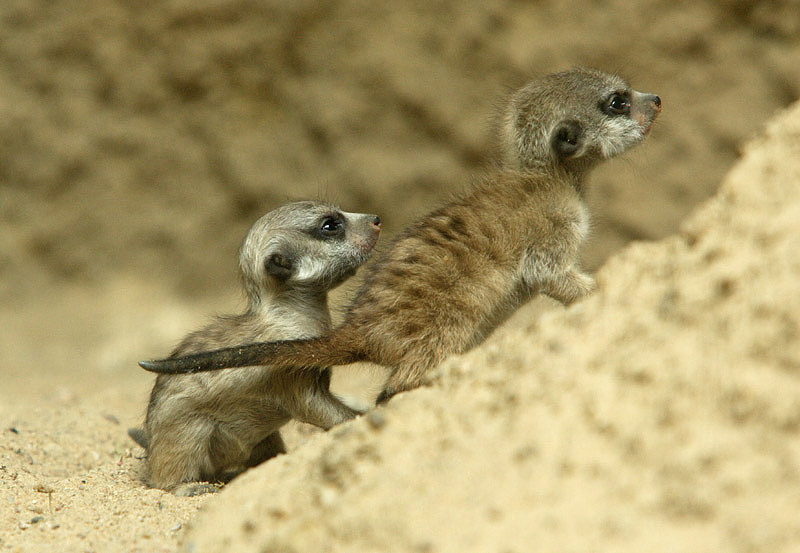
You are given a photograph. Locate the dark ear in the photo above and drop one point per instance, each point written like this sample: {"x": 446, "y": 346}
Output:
{"x": 279, "y": 265}
{"x": 567, "y": 138}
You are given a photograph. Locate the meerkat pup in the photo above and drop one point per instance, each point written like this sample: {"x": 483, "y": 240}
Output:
{"x": 198, "y": 426}
{"x": 451, "y": 277}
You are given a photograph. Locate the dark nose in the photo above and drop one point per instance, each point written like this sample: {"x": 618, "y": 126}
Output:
{"x": 657, "y": 101}
{"x": 376, "y": 221}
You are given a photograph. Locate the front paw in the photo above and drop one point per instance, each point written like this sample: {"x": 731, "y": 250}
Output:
{"x": 571, "y": 287}
{"x": 585, "y": 283}
{"x": 192, "y": 489}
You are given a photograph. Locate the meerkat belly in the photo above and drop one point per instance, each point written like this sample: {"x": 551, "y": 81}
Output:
{"x": 240, "y": 400}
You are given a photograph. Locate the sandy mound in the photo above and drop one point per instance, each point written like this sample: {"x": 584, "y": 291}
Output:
{"x": 660, "y": 415}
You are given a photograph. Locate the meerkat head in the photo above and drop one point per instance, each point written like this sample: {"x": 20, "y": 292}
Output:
{"x": 306, "y": 245}
{"x": 575, "y": 119}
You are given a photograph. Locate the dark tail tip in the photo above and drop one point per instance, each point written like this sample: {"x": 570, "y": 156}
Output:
{"x": 148, "y": 365}
{"x": 167, "y": 366}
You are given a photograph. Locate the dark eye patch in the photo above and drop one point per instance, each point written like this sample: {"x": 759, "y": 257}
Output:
{"x": 331, "y": 226}
{"x": 619, "y": 103}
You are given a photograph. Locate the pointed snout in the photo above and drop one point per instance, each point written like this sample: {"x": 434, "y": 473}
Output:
{"x": 646, "y": 102}
{"x": 374, "y": 224}
{"x": 645, "y": 109}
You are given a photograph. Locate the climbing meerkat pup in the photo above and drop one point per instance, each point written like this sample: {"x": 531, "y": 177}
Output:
{"x": 198, "y": 426}
{"x": 451, "y": 277}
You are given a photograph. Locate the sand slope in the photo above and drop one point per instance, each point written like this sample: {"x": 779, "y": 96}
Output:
{"x": 662, "y": 414}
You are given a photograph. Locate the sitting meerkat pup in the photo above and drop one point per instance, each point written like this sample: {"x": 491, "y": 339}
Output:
{"x": 453, "y": 276}
{"x": 198, "y": 426}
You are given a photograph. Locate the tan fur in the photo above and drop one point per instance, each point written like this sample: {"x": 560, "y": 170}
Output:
{"x": 200, "y": 425}
{"x": 450, "y": 278}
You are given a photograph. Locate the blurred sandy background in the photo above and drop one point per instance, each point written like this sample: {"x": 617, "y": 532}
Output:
{"x": 139, "y": 141}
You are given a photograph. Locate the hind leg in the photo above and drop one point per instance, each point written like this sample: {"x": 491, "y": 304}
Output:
{"x": 185, "y": 455}
{"x": 184, "y": 469}
{"x": 224, "y": 450}
{"x": 312, "y": 401}
{"x": 266, "y": 449}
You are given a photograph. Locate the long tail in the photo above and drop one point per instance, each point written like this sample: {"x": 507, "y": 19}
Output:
{"x": 287, "y": 354}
